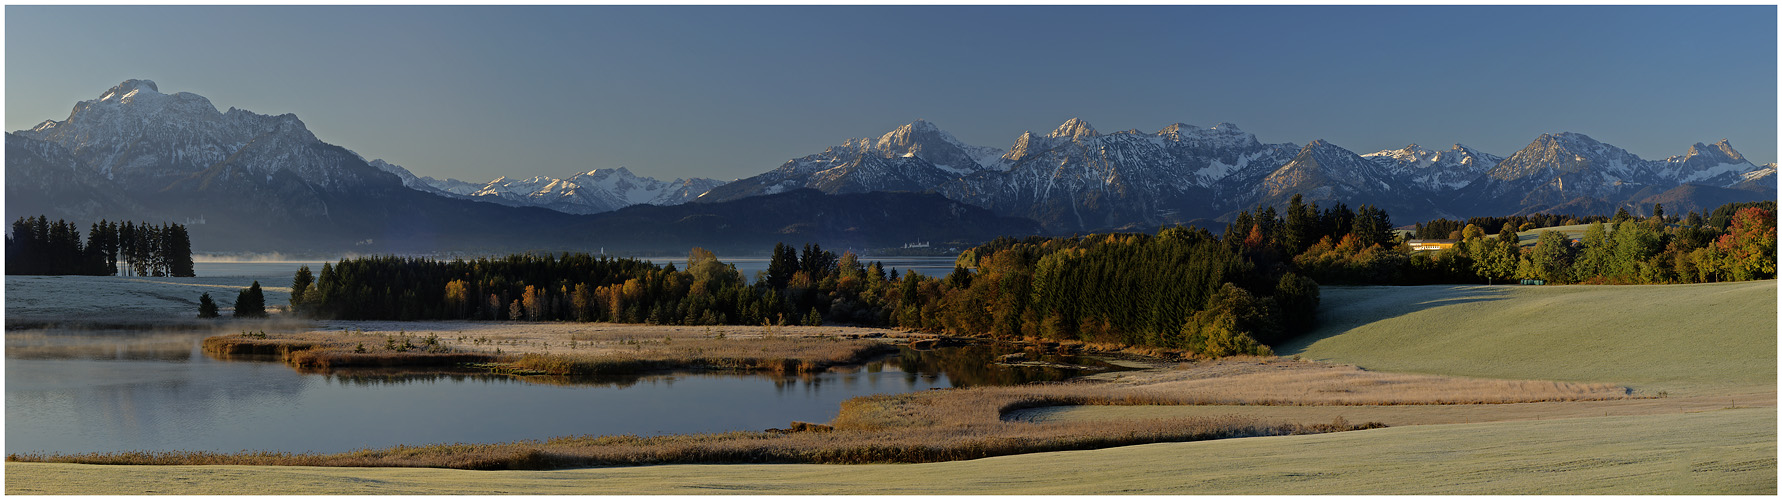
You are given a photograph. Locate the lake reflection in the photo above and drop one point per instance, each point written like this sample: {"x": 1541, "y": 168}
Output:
{"x": 73, "y": 391}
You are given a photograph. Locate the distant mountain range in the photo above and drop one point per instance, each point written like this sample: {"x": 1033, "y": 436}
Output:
{"x": 1076, "y": 179}
{"x": 251, "y": 181}
{"x": 592, "y": 192}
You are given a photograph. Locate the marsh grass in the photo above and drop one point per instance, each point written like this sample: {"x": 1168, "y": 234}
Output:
{"x": 779, "y": 355}
{"x": 619, "y": 351}
{"x": 322, "y": 351}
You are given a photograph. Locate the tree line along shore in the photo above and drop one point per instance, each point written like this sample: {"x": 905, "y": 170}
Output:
{"x": 1180, "y": 289}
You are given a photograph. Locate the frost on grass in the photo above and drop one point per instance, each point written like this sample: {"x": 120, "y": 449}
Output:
{"x": 116, "y": 298}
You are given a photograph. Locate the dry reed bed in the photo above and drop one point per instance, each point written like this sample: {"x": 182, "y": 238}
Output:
{"x": 315, "y": 350}
{"x": 557, "y": 349}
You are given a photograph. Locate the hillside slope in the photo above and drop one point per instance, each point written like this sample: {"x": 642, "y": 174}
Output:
{"x": 1704, "y": 338}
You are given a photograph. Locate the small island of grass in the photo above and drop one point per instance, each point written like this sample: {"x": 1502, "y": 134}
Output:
{"x": 565, "y": 348}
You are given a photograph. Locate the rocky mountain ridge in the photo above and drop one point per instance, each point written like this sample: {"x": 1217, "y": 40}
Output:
{"x": 1077, "y": 179}
{"x": 134, "y": 152}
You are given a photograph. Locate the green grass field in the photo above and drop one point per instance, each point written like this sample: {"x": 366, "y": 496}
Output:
{"x": 1695, "y": 342}
{"x": 1707, "y": 338}
{"x": 1575, "y": 231}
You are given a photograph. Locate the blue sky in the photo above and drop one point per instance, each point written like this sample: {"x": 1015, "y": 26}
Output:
{"x": 732, "y": 91}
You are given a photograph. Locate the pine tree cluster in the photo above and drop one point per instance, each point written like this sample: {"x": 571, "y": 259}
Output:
{"x": 40, "y": 247}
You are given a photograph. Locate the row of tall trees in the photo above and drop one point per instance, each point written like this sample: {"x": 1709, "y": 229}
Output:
{"x": 37, "y": 246}
{"x": 1734, "y": 242}
{"x": 1304, "y": 225}
{"x": 1652, "y": 251}
{"x": 1181, "y": 289}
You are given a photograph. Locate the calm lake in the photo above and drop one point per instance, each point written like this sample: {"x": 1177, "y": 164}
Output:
{"x": 76, "y": 391}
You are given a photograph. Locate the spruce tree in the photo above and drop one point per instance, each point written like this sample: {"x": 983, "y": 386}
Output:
{"x": 1301, "y": 230}
{"x": 206, "y": 308}
{"x": 299, "y": 286}
{"x": 783, "y": 265}
{"x": 250, "y": 303}
{"x": 179, "y": 251}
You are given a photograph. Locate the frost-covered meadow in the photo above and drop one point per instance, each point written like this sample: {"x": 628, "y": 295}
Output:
{"x": 142, "y": 299}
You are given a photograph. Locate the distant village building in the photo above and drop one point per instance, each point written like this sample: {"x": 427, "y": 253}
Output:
{"x": 1430, "y": 245}
{"x": 919, "y": 244}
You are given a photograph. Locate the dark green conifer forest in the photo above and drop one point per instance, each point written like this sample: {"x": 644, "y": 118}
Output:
{"x": 37, "y": 246}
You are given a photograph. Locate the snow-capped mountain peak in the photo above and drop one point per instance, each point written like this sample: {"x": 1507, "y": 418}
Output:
{"x": 603, "y": 173}
{"x": 1571, "y": 152}
{"x": 1721, "y": 152}
{"x": 1717, "y": 164}
{"x": 1436, "y": 170}
{"x": 1559, "y": 168}
{"x": 1222, "y": 135}
{"x": 594, "y": 191}
{"x": 1325, "y": 171}
{"x": 1727, "y": 149}
{"x": 1179, "y": 129}
{"x": 1074, "y": 128}
{"x": 130, "y": 88}
{"x": 923, "y": 139}
{"x": 134, "y": 134}
{"x": 1025, "y": 144}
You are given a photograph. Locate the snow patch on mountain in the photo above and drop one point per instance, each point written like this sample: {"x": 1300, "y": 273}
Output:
{"x": 135, "y": 135}
{"x": 1435, "y": 170}
{"x": 594, "y": 191}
